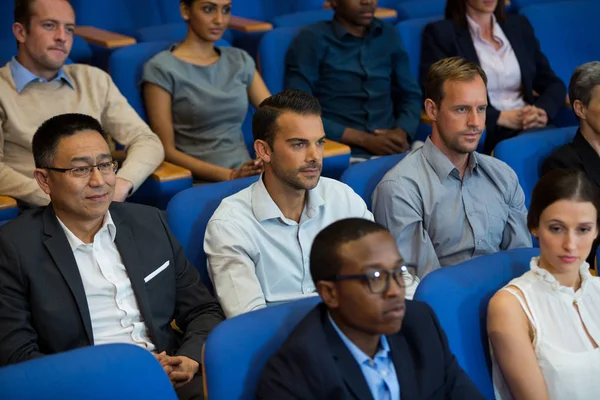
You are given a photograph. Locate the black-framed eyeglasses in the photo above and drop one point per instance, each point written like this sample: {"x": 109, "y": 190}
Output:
{"x": 378, "y": 281}
{"x": 105, "y": 168}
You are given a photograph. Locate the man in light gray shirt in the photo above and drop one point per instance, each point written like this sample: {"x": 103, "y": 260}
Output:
{"x": 258, "y": 241}
{"x": 445, "y": 203}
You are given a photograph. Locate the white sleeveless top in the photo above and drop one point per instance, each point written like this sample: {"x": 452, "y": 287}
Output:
{"x": 567, "y": 358}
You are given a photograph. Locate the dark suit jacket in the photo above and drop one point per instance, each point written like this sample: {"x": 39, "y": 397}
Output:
{"x": 315, "y": 364}
{"x": 43, "y": 308}
{"x": 444, "y": 39}
{"x": 581, "y": 156}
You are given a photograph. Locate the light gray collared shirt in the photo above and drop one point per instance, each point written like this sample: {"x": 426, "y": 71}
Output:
{"x": 439, "y": 219}
{"x": 257, "y": 256}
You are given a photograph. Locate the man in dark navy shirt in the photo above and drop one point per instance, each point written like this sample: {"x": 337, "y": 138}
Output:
{"x": 358, "y": 69}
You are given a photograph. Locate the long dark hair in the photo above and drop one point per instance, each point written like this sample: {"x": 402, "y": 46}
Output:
{"x": 456, "y": 10}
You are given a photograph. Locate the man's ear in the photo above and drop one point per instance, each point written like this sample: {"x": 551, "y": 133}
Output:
{"x": 328, "y": 292}
{"x": 263, "y": 150}
{"x": 431, "y": 109}
{"x": 20, "y": 32}
{"x": 579, "y": 109}
{"x": 41, "y": 177}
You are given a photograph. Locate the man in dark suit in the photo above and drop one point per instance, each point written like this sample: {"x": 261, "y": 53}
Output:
{"x": 583, "y": 153}
{"x": 506, "y": 48}
{"x": 364, "y": 341}
{"x": 82, "y": 271}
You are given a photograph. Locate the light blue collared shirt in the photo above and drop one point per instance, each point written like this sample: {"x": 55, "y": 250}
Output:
{"x": 379, "y": 371}
{"x": 258, "y": 257}
{"x": 23, "y": 77}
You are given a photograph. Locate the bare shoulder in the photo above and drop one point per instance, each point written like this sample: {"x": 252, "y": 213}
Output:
{"x": 505, "y": 311}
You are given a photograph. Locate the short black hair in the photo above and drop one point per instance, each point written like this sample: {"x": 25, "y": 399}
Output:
{"x": 561, "y": 184}
{"x": 48, "y": 135}
{"x": 264, "y": 122}
{"x": 325, "y": 260}
{"x": 24, "y": 10}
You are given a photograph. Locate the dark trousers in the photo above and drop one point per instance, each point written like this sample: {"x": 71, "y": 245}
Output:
{"x": 193, "y": 390}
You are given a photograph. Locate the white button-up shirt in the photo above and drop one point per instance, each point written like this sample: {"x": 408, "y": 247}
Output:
{"x": 113, "y": 308}
{"x": 258, "y": 257}
{"x": 501, "y": 67}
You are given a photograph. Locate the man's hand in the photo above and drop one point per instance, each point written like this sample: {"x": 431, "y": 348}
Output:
{"x": 384, "y": 142}
{"x": 398, "y": 135}
{"x": 122, "y": 189}
{"x": 179, "y": 369}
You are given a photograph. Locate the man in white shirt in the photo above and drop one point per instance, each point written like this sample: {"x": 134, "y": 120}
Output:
{"x": 83, "y": 271}
{"x": 258, "y": 241}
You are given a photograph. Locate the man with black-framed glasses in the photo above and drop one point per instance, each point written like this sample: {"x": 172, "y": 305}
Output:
{"x": 85, "y": 270}
{"x": 365, "y": 341}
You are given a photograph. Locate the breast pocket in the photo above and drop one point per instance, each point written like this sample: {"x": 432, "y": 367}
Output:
{"x": 497, "y": 218}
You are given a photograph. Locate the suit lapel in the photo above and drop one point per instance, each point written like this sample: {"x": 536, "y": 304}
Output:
{"x": 521, "y": 52}
{"x": 346, "y": 364}
{"x": 128, "y": 250}
{"x": 62, "y": 255}
{"x": 465, "y": 44}
{"x": 405, "y": 368}
{"x": 588, "y": 157}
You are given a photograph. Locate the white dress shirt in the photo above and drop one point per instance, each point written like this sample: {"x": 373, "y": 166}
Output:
{"x": 501, "y": 67}
{"x": 113, "y": 308}
{"x": 257, "y": 257}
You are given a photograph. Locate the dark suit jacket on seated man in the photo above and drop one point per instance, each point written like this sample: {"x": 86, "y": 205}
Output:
{"x": 364, "y": 341}
{"x": 358, "y": 69}
{"x": 583, "y": 153}
{"x": 82, "y": 271}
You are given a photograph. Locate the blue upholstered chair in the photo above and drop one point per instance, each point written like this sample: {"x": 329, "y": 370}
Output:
{"x": 419, "y": 9}
{"x": 238, "y": 349}
{"x": 459, "y": 295}
{"x": 364, "y": 177}
{"x": 113, "y": 371}
{"x": 526, "y": 153}
{"x": 188, "y": 214}
{"x": 8, "y": 208}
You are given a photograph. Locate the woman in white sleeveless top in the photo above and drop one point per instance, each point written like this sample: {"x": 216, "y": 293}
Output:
{"x": 544, "y": 326}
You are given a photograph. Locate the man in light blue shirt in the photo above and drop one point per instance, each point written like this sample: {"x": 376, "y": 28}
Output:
{"x": 364, "y": 341}
{"x": 258, "y": 241}
{"x": 445, "y": 203}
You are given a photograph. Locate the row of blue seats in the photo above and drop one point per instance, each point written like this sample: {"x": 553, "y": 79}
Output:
{"x": 238, "y": 349}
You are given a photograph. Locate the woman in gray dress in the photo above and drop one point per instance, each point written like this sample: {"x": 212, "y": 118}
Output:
{"x": 197, "y": 96}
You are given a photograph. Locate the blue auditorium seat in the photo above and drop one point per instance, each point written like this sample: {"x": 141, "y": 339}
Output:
{"x": 188, "y": 214}
{"x": 420, "y": 9}
{"x": 460, "y": 294}
{"x": 364, "y": 177}
{"x": 520, "y": 4}
{"x": 111, "y": 371}
{"x": 526, "y": 153}
{"x": 575, "y": 42}
{"x": 238, "y": 349}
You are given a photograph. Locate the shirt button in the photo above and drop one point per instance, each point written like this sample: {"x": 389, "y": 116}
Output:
{"x": 371, "y": 363}
{"x": 479, "y": 241}
{"x": 384, "y": 372}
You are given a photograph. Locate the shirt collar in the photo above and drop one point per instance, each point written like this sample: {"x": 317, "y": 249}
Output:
{"x": 264, "y": 207}
{"x": 475, "y": 29}
{"x": 23, "y": 77}
{"x": 107, "y": 224}
{"x": 339, "y": 31}
{"x": 441, "y": 164}
{"x": 382, "y": 353}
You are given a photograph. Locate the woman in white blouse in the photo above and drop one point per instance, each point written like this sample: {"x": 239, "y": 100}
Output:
{"x": 523, "y": 91}
{"x": 544, "y": 326}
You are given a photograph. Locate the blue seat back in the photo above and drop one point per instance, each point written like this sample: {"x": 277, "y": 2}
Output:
{"x": 520, "y": 4}
{"x": 364, "y": 177}
{"x": 459, "y": 295}
{"x": 575, "y": 43}
{"x": 238, "y": 349}
{"x": 110, "y": 371}
{"x": 411, "y": 33}
{"x": 188, "y": 214}
{"x": 121, "y": 16}
{"x": 526, "y": 153}
{"x": 272, "y": 50}
{"x": 420, "y": 9}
